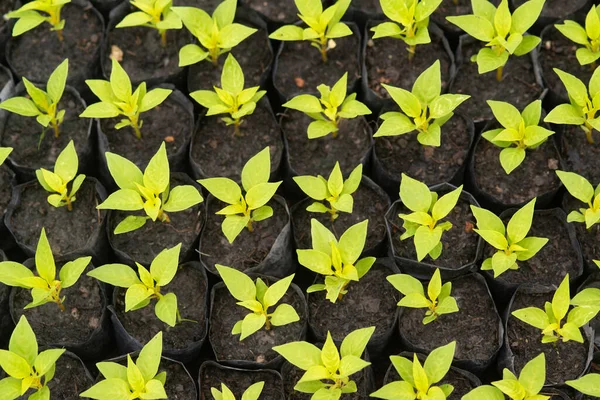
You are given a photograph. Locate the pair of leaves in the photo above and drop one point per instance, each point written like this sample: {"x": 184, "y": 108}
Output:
{"x": 35, "y": 13}
{"x": 156, "y": 14}
{"x": 588, "y": 37}
{"x": 252, "y": 393}
{"x": 582, "y": 190}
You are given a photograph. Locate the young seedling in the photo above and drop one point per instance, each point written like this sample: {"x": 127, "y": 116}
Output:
{"x": 582, "y": 190}
{"x": 218, "y": 35}
{"x": 323, "y": 25}
{"x": 526, "y": 387}
{"x": 424, "y": 110}
{"x": 149, "y": 191}
{"x": 588, "y": 384}
{"x": 336, "y": 260}
{"x": 258, "y": 298}
{"x": 35, "y": 13}
{"x": 417, "y": 381}
{"x": 147, "y": 287}
{"x": 4, "y": 153}
{"x": 42, "y": 105}
{"x": 26, "y": 369}
{"x": 427, "y": 211}
{"x": 519, "y": 132}
{"x": 328, "y": 371}
{"x": 325, "y": 111}
{"x": 589, "y": 37}
{"x": 243, "y": 210}
{"x": 154, "y": 14}
{"x": 116, "y": 98}
{"x": 336, "y": 191}
{"x": 511, "y": 242}
{"x": 440, "y": 301}
{"x": 137, "y": 380}
{"x": 231, "y": 98}
{"x": 252, "y": 393}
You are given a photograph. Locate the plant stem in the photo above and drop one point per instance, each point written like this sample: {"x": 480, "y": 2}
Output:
{"x": 324, "y": 49}
{"x": 411, "y": 53}
{"x": 136, "y": 127}
{"x": 249, "y": 226}
{"x": 163, "y": 38}
{"x": 268, "y": 324}
{"x": 589, "y": 137}
{"x": 236, "y": 128}
{"x": 214, "y": 56}
{"x": 499, "y": 74}
{"x": 55, "y": 127}
{"x": 69, "y": 204}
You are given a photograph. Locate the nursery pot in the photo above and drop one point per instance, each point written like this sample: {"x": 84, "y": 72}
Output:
{"x": 6, "y": 323}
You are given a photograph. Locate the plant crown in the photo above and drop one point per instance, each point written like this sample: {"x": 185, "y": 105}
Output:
{"x": 4, "y": 153}
{"x": 35, "y": 13}
{"x": 252, "y": 393}
{"x": 589, "y": 37}
{"x": 588, "y": 384}
{"x": 582, "y": 190}
{"x": 154, "y": 14}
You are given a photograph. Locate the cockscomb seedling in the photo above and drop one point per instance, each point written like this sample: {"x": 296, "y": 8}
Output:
{"x": 328, "y": 371}
{"x": 43, "y": 105}
{"x": 252, "y": 393}
{"x": 589, "y": 36}
{"x": 336, "y": 260}
{"x": 137, "y": 380}
{"x": 437, "y": 302}
{"x": 154, "y": 14}
{"x": 231, "y": 98}
{"x": 503, "y": 33}
{"x": 116, "y": 98}
{"x": 45, "y": 287}
{"x": 149, "y": 191}
{"x": 26, "y": 369}
{"x": 417, "y": 381}
{"x": 217, "y": 34}
{"x": 330, "y": 109}
{"x": 4, "y": 153}
{"x": 35, "y": 13}
{"x": 244, "y": 210}
{"x": 519, "y": 132}
{"x": 588, "y": 384}
{"x": 323, "y": 25}
{"x": 258, "y": 298}
{"x": 582, "y": 190}
{"x": 424, "y": 110}
{"x": 423, "y": 223}
{"x": 336, "y": 191}
{"x": 511, "y": 241}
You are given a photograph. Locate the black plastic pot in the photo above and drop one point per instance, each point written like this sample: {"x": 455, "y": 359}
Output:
{"x": 105, "y": 6}
{"x": 6, "y": 239}
{"x": 6, "y": 323}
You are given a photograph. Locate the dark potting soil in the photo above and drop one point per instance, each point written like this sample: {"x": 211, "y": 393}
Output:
{"x": 368, "y": 6}
{"x": 475, "y": 327}
{"x": 23, "y": 135}
{"x": 460, "y": 242}
{"x": 143, "y": 324}
{"x": 556, "y": 8}
{"x": 588, "y": 238}
{"x": 462, "y": 385}
{"x": 257, "y": 347}
{"x": 280, "y": 11}
{"x": 238, "y": 381}
{"x": 449, "y": 8}
{"x": 428, "y": 164}
{"x": 67, "y": 231}
{"x": 5, "y": 7}
{"x": 318, "y": 156}
{"x": 4, "y": 75}
{"x": 206, "y": 5}
{"x": 579, "y": 155}
{"x": 5, "y": 188}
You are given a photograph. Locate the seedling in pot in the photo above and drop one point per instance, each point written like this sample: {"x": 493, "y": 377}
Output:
{"x": 582, "y": 190}
{"x": 323, "y": 25}
{"x": 244, "y": 210}
{"x": 424, "y": 110}
{"x": 336, "y": 191}
{"x": 35, "y": 13}
{"x": 519, "y": 132}
{"x": 512, "y": 242}
{"x": 4, "y": 153}
{"x": 217, "y": 35}
{"x": 258, "y": 298}
{"x": 440, "y": 301}
{"x": 231, "y": 98}
{"x": 137, "y": 380}
{"x": 45, "y": 288}
{"x": 589, "y": 37}
{"x": 330, "y": 109}
{"x": 336, "y": 260}
{"x": 588, "y": 384}
{"x": 26, "y": 369}
{"x": 154, "y": 14}
{"x": 42, "y": 105}
{"x": 252, "y": 393}
{"x": 328, "y": 370}
{"x": 116, "y": 98}
{"x": 417, "y": 381}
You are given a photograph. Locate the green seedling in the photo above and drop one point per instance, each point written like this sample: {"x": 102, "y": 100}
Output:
{"x": 336, "y": 191}
{"x": 35, "y": 13}
{"x": 336, "y": 260}
{"x": 4, "y": 153}
{"x": 589, "y": 37}
{"x": 231, "y": 98}
{"x": 423, "y": 223}
{"x": 116, "y": 98}
{"x": 582, "y": 190}
{"x": 437, "y": 302}
{"x": 325, "y": 111}
{"x": 588, "y": 384}
{"x": 328, "y": 370}
{"x": 42, "y": 105}
{"x": 245, "y": 209}
{"x": 511, "y": 242}
{"x": 424, "y": 110}
{"x": 45, "y": 287}
{"x": 519, "y": 132}
{"x": 154, "y": 14}
{"x": 218, "y": 35}
{"x": 26, "y": 369}
{"x": 503, "y": 33}
{"x": 150, "y": 191}
{"x": 137, "y": 380}
{"x": 252, "y": 393}
{"x": 323, "y": 25}
{"x": 258, "y": 298}
{"x": 417, "y": 381}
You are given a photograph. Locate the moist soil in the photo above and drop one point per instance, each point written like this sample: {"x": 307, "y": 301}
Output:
{"x": 206, "y": 5}
{"x": 257, "y": 347}
{"x": 556, "y": 9}
{"x": 190, "y": 288}
{"x": 368, "y": 6}
{"x": 4, "y": 75}
{"x": 578, "y": 155}
{"x": 238, "y": 381}
{"x": 318, "y": 156}
{"x": 250, "y": 248}
{"x": 5, "y": 7}
{"x": 279, "y": 11}
{"x": 6, "y": 177}
{"x": 428, "y": 164}
{"x": 589, "y": 239}
{"x": 67, "y": 231}
{"x": 450, "y": 8}
{"x": 461, "y": 383}
{"x": 475, "y": 327}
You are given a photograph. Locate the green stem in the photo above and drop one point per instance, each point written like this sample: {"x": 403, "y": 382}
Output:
{"x": 163, "y": 38}
{"x": 499, "y": 74}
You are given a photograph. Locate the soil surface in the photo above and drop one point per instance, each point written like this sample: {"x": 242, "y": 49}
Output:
{"x": 280, "y": 11}
{"x": 556, "y": 8}
{"x": 5, "y": 7}
{"x": 238, "y": 381}
{"x": 449, "y": 8}
{"x": 4, "y": 75}
{"x": 579, "y": 155}
{"x": 368, "y": 6}
{"x": 6, "y": 177}
{"x": 206, "y": 5}
{"x": 589, "y": 239}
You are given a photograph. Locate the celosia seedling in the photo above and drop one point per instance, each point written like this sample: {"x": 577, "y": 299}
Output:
{"x": 154, "y": 14}
{"x": 34, "y": 13}
{"x": 588, "y": 37}
{"x": 582, "y": 190}
{"x": 252, "y": 393}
